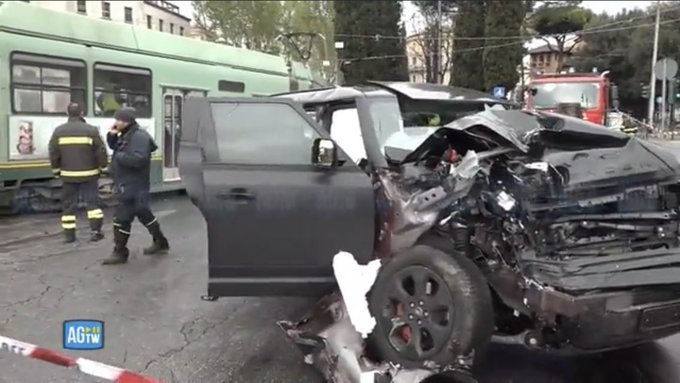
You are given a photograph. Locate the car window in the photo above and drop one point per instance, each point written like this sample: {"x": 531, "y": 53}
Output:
{"x": 346, "y": 132}
{"x": 262, "y": 134}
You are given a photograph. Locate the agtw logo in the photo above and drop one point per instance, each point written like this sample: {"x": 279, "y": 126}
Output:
{"x": 83, "y": 334}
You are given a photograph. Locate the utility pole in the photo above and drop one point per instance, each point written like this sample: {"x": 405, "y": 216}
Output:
{"x": 439, "y": 43}
{"x": 652, "y": 81}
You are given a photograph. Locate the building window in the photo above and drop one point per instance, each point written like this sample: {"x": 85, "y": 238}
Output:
{"x": 181, "y": 31}
{"x": 106, "y": 9}
{"x": 116, "y": 87}
{"x": 172, "y": 28}
{"x": 231, "y": 86}
{"x": 45, "y": 84}
{"x": 82, "y": 7}
{"x": 149, "y": 23}
{"x": 160, "y": 25}
{"x": 128, "y": 15}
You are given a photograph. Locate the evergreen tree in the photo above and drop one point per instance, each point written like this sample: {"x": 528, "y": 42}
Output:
{"x": 467, "y": 59}
{"x": 360, "y": 59}
{"x": 560, "y": 19}
{"x": 502, "y": 57}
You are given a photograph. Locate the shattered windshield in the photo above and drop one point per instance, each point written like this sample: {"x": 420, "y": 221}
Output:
{"x": 549, "y": 96}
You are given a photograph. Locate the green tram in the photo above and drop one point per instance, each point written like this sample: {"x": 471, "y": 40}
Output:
{"x": 49, "y": 58}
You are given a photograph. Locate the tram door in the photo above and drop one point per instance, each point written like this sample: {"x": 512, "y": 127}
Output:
{"x": 172, "y": 123}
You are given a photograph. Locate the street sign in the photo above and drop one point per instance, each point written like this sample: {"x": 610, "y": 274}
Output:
{"x": 665, "y": 69}
{"x": 499, "y": 92}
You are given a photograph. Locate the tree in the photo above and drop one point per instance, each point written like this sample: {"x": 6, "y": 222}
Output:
{"x": 467, "y": 68}
{"x": 257, "y": 24}
{"x": 248, "y": 24}
{"x": 623, "y": 44}
{"x": 435, "y": 42}
{"x": 375, "y": 58}
{"x": 559, "y": 20}
{"x": 311, "y": 17}
{"x": 501, "y": 56}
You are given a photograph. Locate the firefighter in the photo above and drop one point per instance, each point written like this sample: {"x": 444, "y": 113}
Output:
{"x": 130, "y": 170}
{"x": 78, "y": 156}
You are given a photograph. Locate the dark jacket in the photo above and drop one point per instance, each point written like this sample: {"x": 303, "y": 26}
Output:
{"x": 77, "y": 152}
{"x": 131, "y": 161}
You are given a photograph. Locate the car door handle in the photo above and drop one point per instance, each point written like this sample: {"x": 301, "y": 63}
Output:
{"x": 236, "y": 194}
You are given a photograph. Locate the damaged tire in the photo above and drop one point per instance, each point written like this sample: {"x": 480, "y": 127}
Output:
{"x": 429, "y": 306}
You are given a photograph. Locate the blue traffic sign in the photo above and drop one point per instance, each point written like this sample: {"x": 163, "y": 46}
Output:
{"x": 499, "y": 92}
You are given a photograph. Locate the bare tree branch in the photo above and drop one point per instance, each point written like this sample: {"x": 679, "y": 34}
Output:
{"x": 548, "y": 42}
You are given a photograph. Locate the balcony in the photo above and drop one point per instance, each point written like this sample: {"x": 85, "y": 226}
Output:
{"x": 166, "y": 5}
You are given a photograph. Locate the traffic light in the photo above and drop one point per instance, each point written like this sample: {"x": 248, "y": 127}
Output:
{"x": 644, "y": 90}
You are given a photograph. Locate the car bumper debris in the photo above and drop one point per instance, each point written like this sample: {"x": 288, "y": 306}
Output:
{"x": 332, "y": 336}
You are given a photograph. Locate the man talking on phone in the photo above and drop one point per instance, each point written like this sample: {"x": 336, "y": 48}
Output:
{"x": 130, "y": 171}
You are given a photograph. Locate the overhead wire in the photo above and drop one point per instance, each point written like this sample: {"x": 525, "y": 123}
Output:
{"x": 385, "y": 57}
{"x": 588, "y": 30}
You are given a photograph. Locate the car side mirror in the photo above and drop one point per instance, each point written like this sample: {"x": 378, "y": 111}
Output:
{"x": 324, "y": 154}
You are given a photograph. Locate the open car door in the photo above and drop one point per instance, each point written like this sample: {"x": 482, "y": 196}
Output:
{"x": 274, "y": 219}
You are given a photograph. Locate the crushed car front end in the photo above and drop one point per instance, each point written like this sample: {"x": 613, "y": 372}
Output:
{"x": 574, "y": 227}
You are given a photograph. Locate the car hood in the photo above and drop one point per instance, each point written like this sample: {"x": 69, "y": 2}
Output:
{"x": 519, "y": 130}
{"x": 400, "y": 144}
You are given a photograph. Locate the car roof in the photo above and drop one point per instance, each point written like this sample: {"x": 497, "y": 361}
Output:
{"x": 333, "y": 94}
{"x": 436, "y": 92}
{"x": 400, "y": 89}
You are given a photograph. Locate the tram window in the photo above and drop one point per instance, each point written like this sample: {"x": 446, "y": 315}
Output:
{"x": 116, "y": 87}
{"x": 46, "y": 85}
{"x": 231, "y": 86}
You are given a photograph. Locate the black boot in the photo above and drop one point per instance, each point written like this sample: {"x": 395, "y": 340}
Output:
{"x": 120, "y": 252}
{"x": 69, "y": 235}
{"x": 160, "y": 244}
{"x": 96, "y": 227}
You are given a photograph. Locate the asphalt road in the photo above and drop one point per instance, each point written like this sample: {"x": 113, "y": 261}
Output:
{"x": 157, "y": 324}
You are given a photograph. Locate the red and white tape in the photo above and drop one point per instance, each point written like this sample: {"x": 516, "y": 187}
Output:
{"x": 86, "y": 366}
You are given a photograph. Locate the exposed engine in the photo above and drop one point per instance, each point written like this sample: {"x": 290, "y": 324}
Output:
{"x": 525, "y": 212}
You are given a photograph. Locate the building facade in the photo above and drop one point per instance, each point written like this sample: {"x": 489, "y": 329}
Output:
{"x": 160, "y": 15}
{"x": 417, "y": 53}
{"x": 543, "y": 58}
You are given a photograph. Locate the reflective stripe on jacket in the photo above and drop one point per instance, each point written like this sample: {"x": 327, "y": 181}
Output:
{"x": 77, "y": 152}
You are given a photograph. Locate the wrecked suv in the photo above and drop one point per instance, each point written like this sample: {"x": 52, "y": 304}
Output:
{"x": 531, "y": 227}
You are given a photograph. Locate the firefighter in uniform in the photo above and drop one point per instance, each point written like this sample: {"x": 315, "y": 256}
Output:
{"x": 130, "y": 170}
{"x": 78, "y": 156}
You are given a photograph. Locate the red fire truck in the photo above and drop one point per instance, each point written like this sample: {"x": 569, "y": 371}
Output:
{"x": 595, "y": 94}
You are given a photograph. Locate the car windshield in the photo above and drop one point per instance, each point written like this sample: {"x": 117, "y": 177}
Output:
{"x": 346, "y": 128}
{"x": 387, "y": 119}
{"x": 549, "y": 96}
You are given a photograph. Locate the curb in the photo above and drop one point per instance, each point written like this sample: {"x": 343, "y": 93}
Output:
{"x": 159, "y": 195}
{"x": 30, "y": 237}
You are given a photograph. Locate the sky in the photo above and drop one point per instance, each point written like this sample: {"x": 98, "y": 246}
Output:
{"x": 610, "y": 7}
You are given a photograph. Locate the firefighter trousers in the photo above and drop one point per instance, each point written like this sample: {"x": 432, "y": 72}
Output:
{"x": 125, "y": 212}
{"x": 89, "y": 190}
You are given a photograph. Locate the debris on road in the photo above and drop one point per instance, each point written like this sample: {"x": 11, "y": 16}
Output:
{"x": 328, "y": 339}
{"x": 86, "y": 366}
